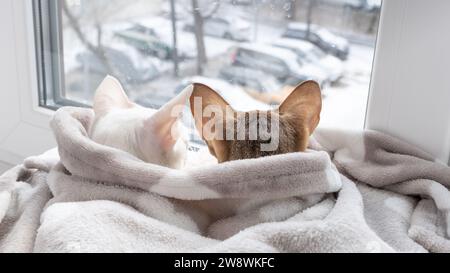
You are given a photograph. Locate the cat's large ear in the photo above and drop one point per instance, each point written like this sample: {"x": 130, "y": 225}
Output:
{"x": 211, "y": 112}
{"x": 110, "y": 95}
{"x": 163, "y": 124}
{"x": 302, "y": 109}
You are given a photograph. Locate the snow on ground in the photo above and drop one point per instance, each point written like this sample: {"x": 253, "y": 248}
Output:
{"x": 345, "y": 105}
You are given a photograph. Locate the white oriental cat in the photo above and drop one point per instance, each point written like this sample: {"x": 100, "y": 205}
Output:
{"x": 154, "y": 136}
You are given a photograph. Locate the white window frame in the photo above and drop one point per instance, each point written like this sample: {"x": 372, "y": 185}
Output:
{"x": 24, "y": 128}
{"x": 410, "y": 89}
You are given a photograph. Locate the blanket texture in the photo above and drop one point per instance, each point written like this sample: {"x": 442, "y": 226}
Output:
{"x": 351, "y": 192}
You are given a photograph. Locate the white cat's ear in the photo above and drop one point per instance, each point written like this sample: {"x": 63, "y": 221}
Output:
{"x": 163, "y": 125}
{"x": 110, "y": 95}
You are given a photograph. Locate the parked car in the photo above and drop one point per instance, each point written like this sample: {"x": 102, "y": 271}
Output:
{"x": 309, "y": 53}
{"x": 259, "y": 85}
{"x": 142, "y": 29}
{"x": 320, "y": 37}
{"x": 278, "y": 62}
{"x": 250, "y": 79}
{"x": 147, "y": 44}
{"x": 232, "y": 28}
{"x": 153, "y": 38}
{"x": 128, "y": 65}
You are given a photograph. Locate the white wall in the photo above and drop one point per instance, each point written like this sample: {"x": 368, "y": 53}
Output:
{"x": 410, "y": 92}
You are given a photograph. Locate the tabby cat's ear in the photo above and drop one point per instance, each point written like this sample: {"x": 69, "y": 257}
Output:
{"x": 211, "y": 112}
{"x": 302, "y": 107}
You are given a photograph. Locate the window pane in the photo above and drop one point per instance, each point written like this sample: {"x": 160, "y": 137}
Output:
{"x": 255, "y": 51}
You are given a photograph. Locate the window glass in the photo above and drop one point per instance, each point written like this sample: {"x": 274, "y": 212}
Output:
{"x": 134, "y": 41}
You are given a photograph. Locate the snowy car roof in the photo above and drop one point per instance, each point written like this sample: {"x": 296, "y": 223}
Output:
{"x": 301, "y": 26}
{"x": 139, "y": 60}
{"x": 244, "y": 71}
{"x": 295, "y": 44}
{"x": 289, "y": 57}
{"x": 282, "y": 53}
{"x": 136, "y": 35}
{"x": 331, "y": 37}
{"x": 324, "y": 33}
{"x": 234, "y": 20}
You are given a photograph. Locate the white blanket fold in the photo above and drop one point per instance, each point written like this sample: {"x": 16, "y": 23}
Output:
{"x": 353, "y": 192}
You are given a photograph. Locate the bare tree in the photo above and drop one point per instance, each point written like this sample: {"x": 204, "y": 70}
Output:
{"x": 98, "y": 49}
{"x": 199, "y": 36}
{"x": 200, "y": 14}
{"x": 173, "y": 18}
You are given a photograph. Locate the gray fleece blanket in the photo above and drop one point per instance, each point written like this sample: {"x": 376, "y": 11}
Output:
{"x": 351, "y": 192}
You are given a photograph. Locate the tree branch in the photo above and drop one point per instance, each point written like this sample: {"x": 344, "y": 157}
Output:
{"x": 96, "y": 50}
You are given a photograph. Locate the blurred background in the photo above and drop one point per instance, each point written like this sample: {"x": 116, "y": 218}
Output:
{"x": 252, "y": 51}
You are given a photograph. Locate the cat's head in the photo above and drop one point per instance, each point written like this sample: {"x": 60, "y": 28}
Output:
{"x": 154, "y": 136}
{"x": 233, "y": 135}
